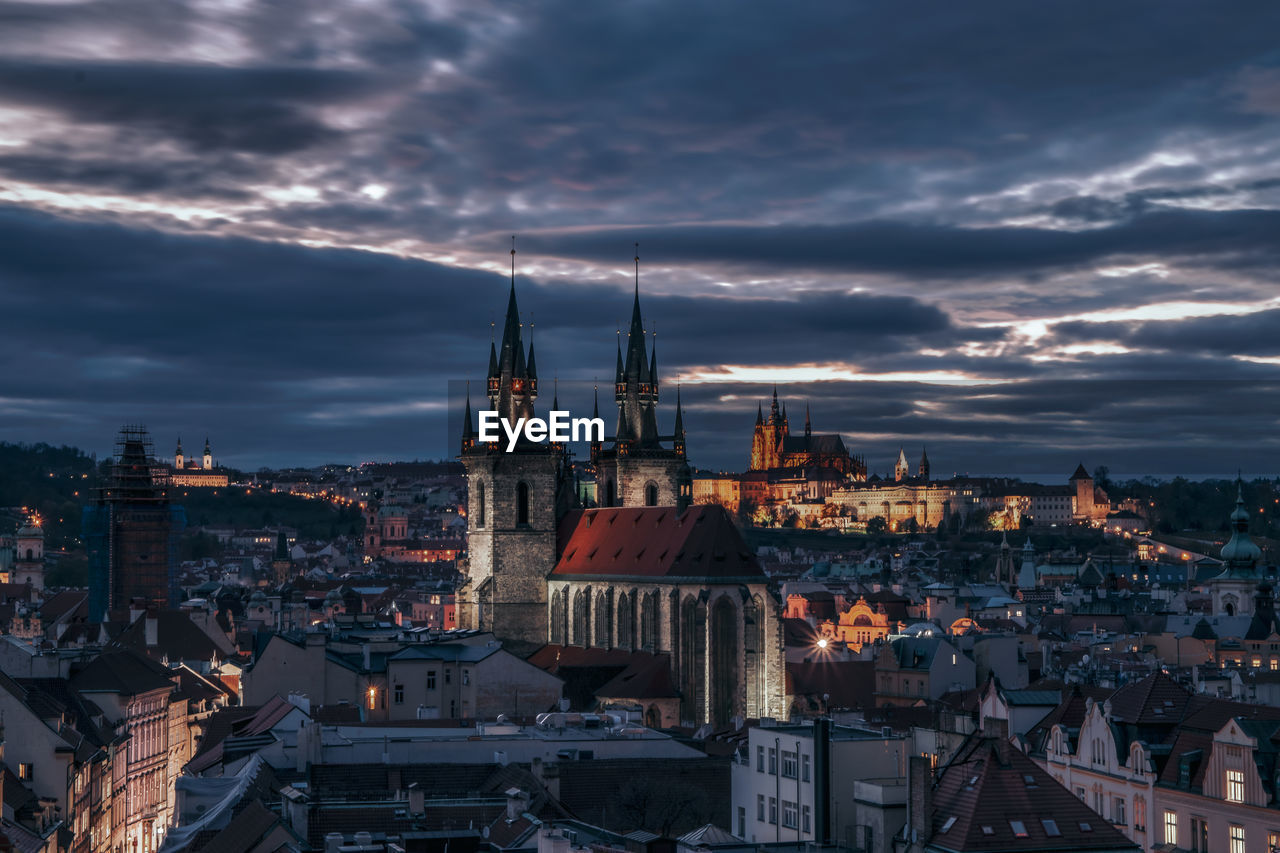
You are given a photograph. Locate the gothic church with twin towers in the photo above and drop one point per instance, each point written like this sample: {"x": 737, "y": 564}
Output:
{"x": 645, "y": 572}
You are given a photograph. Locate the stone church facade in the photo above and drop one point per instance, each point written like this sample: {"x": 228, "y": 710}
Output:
{"x": 642, "y": 572}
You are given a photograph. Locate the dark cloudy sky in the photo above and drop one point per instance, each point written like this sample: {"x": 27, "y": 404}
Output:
{"x": 1022, "y": 233}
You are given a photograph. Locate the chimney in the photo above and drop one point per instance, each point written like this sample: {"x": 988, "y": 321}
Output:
{"x": 151, "y": 629}
{"x": 517, "y": 803}
{"x": 822, "y": 780}
{"x": 332, "y": 842}
{"x": 995, "y": 728}
{"x": 920, "y": 780}
{"x": 417, "y": 799}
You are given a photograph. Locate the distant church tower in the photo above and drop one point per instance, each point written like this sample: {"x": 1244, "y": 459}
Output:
{"x": 1234, "y": 590}
{"x": 207, "y": 463}
{"x": 924, "y": 464}
{"x": 514, "y": 501}
{"x": 766, "y": 441}
{"x": 638, "y": 470}
{"x": 902, "y": 470}
{"x": 28, "y": 563}
{"x": 178, "y": 458}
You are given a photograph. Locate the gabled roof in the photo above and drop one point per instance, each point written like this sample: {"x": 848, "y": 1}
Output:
{"x": 1155, "y": 700}
{"x": 992, "y": 797}
{"x": 655, "y": 542}
{"x": 177, "y": 638}
{"x": 125, "y": 672}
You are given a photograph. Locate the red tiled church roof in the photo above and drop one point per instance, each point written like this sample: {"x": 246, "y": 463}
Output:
{"x": 655, "y": 542}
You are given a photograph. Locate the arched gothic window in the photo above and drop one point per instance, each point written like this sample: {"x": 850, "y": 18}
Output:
{"x": 522, "y": 503}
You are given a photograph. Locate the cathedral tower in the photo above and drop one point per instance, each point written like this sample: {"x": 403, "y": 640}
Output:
{"x": 638, "y": 470}
{"x": 514, "y": 501}
{"x": 902, "y": 470}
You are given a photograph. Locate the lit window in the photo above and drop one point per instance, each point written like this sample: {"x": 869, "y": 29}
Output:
{"x": 1235, "y": 786}
{"x": 1237, "y": 838}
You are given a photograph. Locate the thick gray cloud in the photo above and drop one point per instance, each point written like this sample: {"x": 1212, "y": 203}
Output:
{"x": 280, "y": 222}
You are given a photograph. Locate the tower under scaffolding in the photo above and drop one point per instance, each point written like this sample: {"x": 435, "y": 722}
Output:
{"x": 131, "y": 532}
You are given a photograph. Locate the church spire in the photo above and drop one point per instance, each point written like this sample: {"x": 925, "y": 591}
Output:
{"x": 808, "y": 427}
{"x": 653, "y": 362}
{"x": 468, "y": 434}
{"x": 679, "y": 433}
{"x": 621, "y": 372}
{"x": 513, "y": 382}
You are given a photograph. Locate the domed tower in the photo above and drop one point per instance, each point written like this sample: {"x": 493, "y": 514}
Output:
{"x": 1234, "y": 590}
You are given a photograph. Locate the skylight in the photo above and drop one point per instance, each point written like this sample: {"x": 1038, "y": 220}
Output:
{"x": 988, "y": 830}
{"x": 1019, "y": 828}
{"x": 1085, "y": 827}
{"x": 1051, "y": 827}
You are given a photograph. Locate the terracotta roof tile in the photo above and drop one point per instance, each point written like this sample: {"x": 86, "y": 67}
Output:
{"x": 991, "y": 797}
{"x": 654, "y": 542}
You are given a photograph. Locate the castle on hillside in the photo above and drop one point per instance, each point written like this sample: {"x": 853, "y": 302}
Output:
{"x": 645, "y": 573}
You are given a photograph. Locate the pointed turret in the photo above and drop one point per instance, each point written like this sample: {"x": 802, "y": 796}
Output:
{"x": 760, "y": 414}
{"x": 468, "y": 434}
{"x": 624, "y": 430}
{"x": 531, "y": 370}
{"x": 774, "y": 417}
{"x": 595, "y": 413}
{"x": 653, "y": 364}
{"x": 808, "y": 427}
{"x": 620, "y": 374}
{"x": 679, "y": 432}
{"x": 493, "y": 360}
{"x": 924, "y": 463}
{"x": 902, "y": 470}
